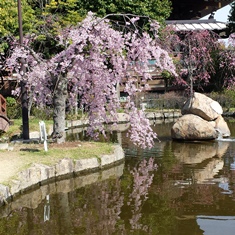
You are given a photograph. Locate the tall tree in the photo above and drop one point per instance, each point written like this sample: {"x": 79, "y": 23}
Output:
{"x": 46, "y": 18}
{"x": 9, "y": 17}
{"x": 155, "y": 9}
{"x": 9, "y": 21}
{"x": 231, "y": 19}
{"x": 95, "y": 60}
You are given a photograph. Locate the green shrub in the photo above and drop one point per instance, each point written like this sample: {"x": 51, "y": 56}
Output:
{"x": 13, "y": 108}
{"x": 168, "y": 100}
{"x": 42, "y": 113}
{"x": 226, "y": 98}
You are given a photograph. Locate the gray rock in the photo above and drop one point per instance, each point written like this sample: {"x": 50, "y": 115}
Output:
{"x": 116, "y": 156}
{"x": 86, "y": 164}
{"x": 4, "y": 193}
{"x": 202, "y": 106}
{"x": 193, "y": 127}
{"x": 46, "y": 172}
{"x": 64, "y": 167}
{"x": 222, "y": 127}
{"x": 4, "y": 146}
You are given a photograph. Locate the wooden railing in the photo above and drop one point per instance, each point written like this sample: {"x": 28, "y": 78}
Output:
{"x": 3, "y": 106}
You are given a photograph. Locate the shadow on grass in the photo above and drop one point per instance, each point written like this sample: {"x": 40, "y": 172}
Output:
{"x": 29, "y": 150}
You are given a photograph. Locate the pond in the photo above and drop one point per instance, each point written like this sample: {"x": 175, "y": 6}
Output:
{"x": 176, "y": 188}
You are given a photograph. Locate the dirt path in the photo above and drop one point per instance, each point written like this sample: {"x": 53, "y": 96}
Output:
{"x": 10, "y": 165}
{"x": 14, "y": 161}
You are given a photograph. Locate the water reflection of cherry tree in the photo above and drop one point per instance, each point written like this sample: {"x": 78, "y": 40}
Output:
{"x": 111, "y": 206}
{"x": 98, "y": 208}
{"x": 142, "y": 180}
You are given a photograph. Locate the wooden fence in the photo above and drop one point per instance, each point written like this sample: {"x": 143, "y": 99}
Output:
{"x": 4, "y": 121}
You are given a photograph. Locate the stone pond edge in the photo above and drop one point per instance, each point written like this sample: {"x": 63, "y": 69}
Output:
{"x": 38, "y": 174}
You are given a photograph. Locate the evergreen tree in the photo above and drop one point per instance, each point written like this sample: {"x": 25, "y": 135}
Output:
{"x": 231, "y": 19}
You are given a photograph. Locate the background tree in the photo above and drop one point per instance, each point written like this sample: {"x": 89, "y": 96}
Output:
{"x": 9, "y": 18}
{"x": 9, "y": 21}
{"x": 154, "y": 9}
{"x": 52, "y": 16}
{"x": 96, "y": 58}
{"x": 66, "y": 11}
{"x": 227, "y": 64}
{"x": 231, "y": 19}
{"x": 46, "y": 18}
{"x": 194, "y": 54}
{"x": 196, "y": 58}
{"x": 60, "y": 14}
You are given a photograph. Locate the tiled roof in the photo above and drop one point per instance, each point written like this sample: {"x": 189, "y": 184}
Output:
{"x": 187, "y": 25}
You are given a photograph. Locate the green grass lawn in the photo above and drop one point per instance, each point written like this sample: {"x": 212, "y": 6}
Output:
{"x": 35, "y": 153}
{"x": 23, "y": 156}
{"x": 16, "y": 127}
{"x": 32, "y": 152}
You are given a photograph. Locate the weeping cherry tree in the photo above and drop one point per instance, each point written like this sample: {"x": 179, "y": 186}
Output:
{"x": 197, "y": 57}
{"x": 227, "y": 63}
{"x": 95, "y": 60}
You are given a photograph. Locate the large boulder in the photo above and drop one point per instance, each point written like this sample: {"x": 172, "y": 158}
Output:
{"x": 193, "y": 127}
{"x": 222, "y": 127}
{"x": 202, "y": 106}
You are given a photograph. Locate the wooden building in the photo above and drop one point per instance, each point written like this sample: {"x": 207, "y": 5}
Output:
{"x": 185, "y": 15}
{"x": 4, "y": 121}
{"x": 195, "y": 9}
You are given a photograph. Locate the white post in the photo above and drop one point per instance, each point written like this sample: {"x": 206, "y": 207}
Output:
{"x": 43, "y": 134}
{"x": 47, "y": 209}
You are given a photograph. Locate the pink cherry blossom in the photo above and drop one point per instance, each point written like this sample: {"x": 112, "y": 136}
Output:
{"x": 96, "y": 58}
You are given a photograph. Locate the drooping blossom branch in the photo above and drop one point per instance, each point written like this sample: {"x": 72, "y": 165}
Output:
{"x": 95, "y": 60}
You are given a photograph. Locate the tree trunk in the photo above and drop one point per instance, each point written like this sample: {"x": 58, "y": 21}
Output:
{"x": 59, "y": 99}
{"x": 30, "y": 102}
{"x": 64, "y": 218}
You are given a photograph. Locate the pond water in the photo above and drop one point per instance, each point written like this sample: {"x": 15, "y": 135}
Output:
{"x": 175, "y": 188}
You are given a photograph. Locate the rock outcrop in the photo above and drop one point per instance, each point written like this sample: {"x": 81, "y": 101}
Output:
{"x": 202, "y": 120}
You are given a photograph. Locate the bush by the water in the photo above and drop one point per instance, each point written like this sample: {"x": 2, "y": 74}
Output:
{"x": 226, "y": 98}
{"x": 168, "y": 100}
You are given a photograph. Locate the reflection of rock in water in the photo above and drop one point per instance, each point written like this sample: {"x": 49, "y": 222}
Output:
{"x": 222, "y": 148}
{"x": 195, "y": 153}
{"x": 208, "y": 172}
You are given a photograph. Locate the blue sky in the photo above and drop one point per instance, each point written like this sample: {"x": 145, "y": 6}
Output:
{"x": 221, "y": 14}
